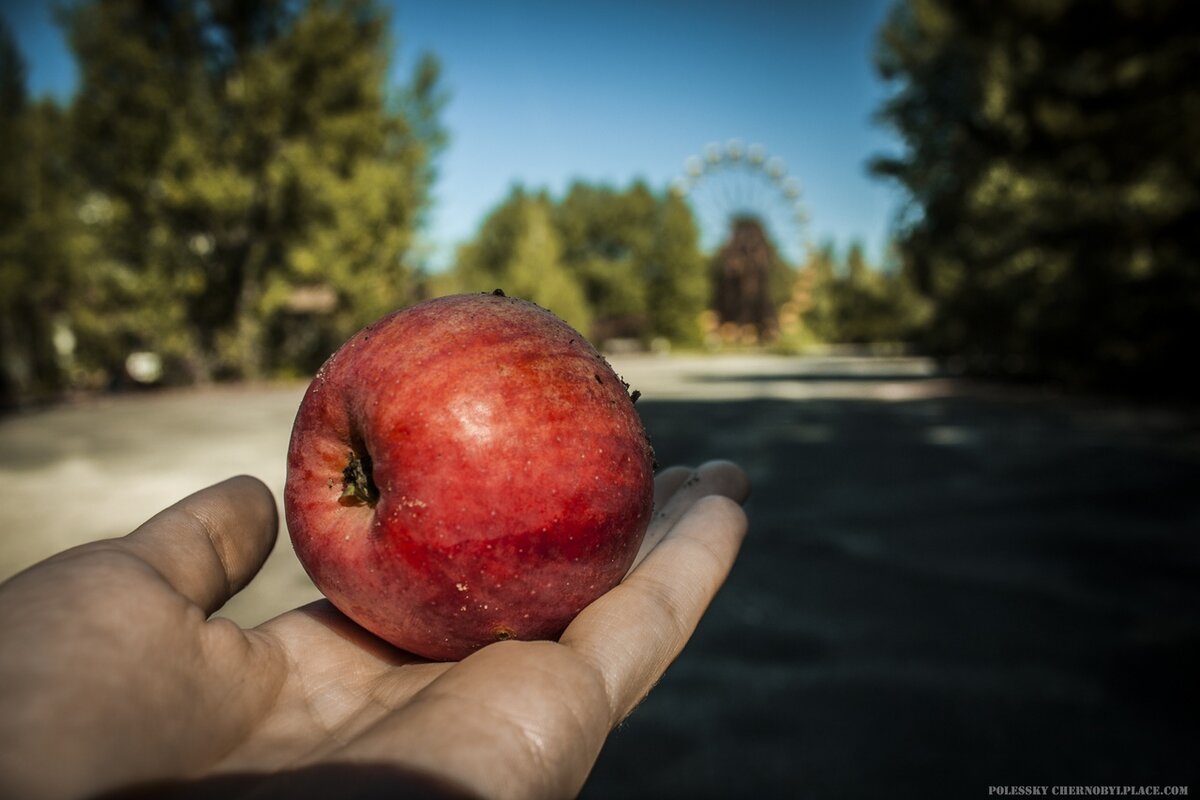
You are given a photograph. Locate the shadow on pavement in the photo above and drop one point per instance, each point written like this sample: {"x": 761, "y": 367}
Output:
{"x": 814, "y": 377}
{"x": 936, "y": 596}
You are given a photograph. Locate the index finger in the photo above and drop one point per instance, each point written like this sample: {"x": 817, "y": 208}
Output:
{"x": 677, "y": 488}
{"x": 634, "y": 632}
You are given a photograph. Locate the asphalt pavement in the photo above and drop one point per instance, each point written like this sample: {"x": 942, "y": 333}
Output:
{"x": 949, "y": 590}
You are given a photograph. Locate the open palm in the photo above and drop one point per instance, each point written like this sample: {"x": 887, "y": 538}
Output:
{"x": 114, "y": 678}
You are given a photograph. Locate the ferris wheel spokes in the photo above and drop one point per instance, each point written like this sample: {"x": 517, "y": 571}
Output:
{"x": 735, "y": 181}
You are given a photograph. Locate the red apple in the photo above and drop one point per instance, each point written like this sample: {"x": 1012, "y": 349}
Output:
{"x": 465, "y": 471}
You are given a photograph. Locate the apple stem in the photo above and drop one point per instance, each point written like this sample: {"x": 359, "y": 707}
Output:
{"x": 358, "y": 486}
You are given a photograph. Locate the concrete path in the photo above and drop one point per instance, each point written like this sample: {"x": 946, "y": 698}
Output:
{"x": 946, "y": 587}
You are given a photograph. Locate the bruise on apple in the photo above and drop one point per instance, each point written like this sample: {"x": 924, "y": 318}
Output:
{"x": 472, "y": 471}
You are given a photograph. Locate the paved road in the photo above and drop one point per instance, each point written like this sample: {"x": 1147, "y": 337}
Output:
{"x": 945, "y": 588}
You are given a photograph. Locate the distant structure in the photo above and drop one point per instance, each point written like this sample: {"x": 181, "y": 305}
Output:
{"x": 747, "y": 206}
{"x": 741, "y": 278}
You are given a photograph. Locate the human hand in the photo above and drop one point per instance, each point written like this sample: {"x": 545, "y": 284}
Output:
{"x": 113, "y": 678}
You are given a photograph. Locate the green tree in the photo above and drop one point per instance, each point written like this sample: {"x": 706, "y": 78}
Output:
{"x": 677, "y": 283}
{"x": 871, "y": 305}
{"x": 820, "y": 313}
{"x": 256, "y": 189}
{"x": 13, "y": 102}
{"x": 855, "y": 302}
{"x": 1052, "y": 165}
{"x": 607, "y": 235}
{"x": 618, "y": 263}
{"x": 138, "y": 63}
{"x": 518, "y": 250}
{"x": 37, "y": 230}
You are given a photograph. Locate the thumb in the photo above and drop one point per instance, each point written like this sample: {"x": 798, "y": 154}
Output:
{"x": 210, "y": 544}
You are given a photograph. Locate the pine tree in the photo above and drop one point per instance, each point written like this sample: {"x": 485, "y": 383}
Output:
{"x": 1051, "y": 160}
{"x": 255, "y": 187}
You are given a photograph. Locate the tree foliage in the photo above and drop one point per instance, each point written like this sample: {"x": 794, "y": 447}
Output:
{"x": 1051, "y": 160}
{"x": 626, "y": 264}
{"x": 519, "y": 251}
{"x": 237, "y": 187}
{"x": 848, "y": 301}
{"x": 614, "y": 263}
{"x": 677, "y": 283}
{"x": 606, "y": 237}
{"x": 38, "y": 234}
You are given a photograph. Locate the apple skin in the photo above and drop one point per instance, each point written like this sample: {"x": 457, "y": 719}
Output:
{"x": 512, "y": 477}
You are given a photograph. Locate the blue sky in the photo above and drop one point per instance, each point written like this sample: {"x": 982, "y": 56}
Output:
{"x": 545, "y": 92}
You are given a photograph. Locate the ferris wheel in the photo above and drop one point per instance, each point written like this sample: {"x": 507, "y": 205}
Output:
{"x": 730, "y": 182}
